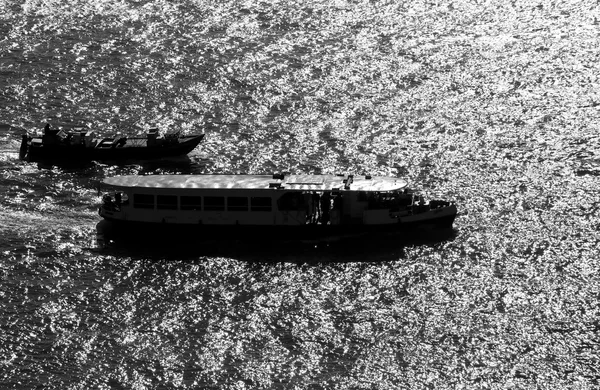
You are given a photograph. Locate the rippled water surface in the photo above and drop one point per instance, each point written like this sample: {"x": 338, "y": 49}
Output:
{"x": 494, "y": 106}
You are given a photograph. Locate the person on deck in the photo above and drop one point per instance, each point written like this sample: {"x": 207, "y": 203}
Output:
{"x": 336, "y": 211}
{"x": 325, "y": 207}
{"x": 317, "y": 210}
{"x": 308, "y": 200}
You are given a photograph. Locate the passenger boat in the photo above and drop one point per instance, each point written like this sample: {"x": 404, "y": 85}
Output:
{"x": 264, "y": 206}
{"x": 58, "y": 145}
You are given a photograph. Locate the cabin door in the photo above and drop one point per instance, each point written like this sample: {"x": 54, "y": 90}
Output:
{"x": 291, "y": 209}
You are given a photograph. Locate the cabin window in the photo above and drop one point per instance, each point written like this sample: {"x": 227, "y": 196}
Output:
{"x": 291, "y": 201}
{"x": 214, "y": 203}
{"x": 191, "y": 203}
{"x": 166, "y": 202}
{"x": 143, "y": 201}
{"x": 386, "y": 200}
{"x": 258, "y": 203}
{"x": 237, "y": 203}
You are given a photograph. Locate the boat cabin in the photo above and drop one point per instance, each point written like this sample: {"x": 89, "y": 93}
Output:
{"x": 260, "y": 200}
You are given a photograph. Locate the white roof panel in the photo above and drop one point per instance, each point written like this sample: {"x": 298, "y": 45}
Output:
{"x": 193, "y": 181}
{"x": 253, "y": 182}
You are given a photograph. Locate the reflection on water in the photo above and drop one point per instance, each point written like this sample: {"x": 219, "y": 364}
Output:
{"x": 333, "y": 249}
{"x": 496, "y": 113}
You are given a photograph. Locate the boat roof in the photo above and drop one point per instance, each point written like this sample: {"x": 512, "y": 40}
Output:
{"x": 260, "y": 182}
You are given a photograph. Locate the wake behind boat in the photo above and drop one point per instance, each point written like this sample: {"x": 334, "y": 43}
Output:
{"x": 265, "y": 207}
{"x": 58, "y": 145}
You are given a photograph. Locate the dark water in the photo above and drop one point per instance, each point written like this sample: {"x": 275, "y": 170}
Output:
{"x": 493, "y": 106}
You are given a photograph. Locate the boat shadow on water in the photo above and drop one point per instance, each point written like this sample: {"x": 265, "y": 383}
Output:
{"x": 367, "y": 247}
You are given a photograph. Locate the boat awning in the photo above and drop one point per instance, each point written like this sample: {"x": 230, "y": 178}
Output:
{"x": 192, "y": 181}
{"x": 256, "y": 182}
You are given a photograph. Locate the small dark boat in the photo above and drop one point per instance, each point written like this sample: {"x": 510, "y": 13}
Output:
{"x": 59, "y": 145}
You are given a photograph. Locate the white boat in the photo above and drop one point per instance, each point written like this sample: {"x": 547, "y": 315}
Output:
{"x": 266, "y": 206}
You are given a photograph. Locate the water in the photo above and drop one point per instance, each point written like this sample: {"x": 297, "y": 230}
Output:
{"x": 493, "y": 106}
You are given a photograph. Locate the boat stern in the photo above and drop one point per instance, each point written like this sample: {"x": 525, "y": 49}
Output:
{"x": 111, "y": 207}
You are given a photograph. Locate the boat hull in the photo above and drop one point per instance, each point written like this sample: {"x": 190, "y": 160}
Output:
{"x": 442, "y": 217}
{"x": 416, "y": 228}
{"x": 65, "y": 152}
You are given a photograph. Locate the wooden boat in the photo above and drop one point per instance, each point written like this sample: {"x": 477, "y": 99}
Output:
{"x": 58, "y": 145}
{"x": 264, "y": 206}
